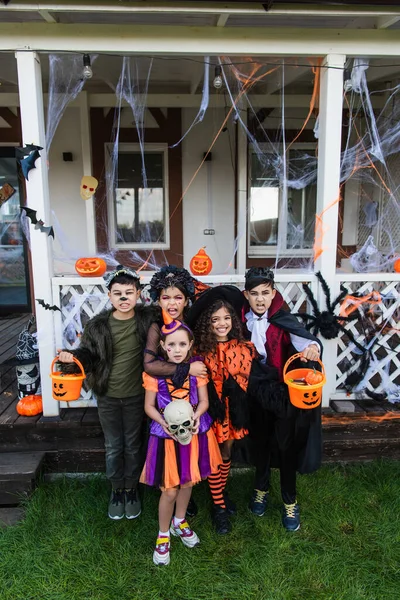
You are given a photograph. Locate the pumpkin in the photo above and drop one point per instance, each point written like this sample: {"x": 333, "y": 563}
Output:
{"x": 396, "y": 265}
{"x": 90, "y": 267}
{"x": 314, "y": 377}
{"x": 201, "y": 263}
{"x": 29, "y": 406}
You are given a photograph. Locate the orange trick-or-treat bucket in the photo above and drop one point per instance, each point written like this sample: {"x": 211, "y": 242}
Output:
{"x": 305, "y": 385}
{"x": 66, "y": 387}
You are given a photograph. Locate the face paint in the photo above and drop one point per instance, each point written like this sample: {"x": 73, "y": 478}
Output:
{"x": 123, "y": 299}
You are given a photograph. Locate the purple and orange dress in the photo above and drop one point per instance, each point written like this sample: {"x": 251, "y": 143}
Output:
{"x": 168, "y": 463}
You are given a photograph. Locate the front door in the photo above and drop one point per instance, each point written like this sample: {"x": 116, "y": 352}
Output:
{"x": 14, "y": 275}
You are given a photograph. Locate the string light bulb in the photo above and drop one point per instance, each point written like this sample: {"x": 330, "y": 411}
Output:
{"x": 87, "y": 69}
{"x": 217, "y": 83}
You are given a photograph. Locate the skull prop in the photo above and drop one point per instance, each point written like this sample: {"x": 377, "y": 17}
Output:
{"x": 179, "y": 417}
{"x": 88, "y": 186}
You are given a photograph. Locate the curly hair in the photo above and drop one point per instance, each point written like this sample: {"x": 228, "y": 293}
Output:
{"x": 205, "y": 338}
{"x": 171, "y": 276}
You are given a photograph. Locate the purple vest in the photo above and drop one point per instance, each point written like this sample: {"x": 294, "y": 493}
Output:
{"x": 164, "y": 398}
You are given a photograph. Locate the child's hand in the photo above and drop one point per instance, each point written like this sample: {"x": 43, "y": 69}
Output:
{"x": 166, "y": 430}
{"x": 198, "y": 369}
{"x": 65, "y": 357}
{"x": 196, "y": 424}
{"x": 310, "y": 353}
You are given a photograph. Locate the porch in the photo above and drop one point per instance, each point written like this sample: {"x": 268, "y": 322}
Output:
{"x": 301, "y": 177}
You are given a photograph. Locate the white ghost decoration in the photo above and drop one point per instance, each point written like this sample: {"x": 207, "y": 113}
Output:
{"x": 179, "y": 417}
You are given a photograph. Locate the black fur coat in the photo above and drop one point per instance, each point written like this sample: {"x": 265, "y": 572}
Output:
{"x": 95, "y": 348}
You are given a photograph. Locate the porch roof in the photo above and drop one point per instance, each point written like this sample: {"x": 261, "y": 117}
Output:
{"x": 275, "y": 13}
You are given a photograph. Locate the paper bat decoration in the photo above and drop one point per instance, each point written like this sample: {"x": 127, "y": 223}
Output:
{"x": 6, "y": 192}
{"x": 47, "y": 306}
{"x": 38, "y": 223}
{"x": 28, "y": 163}
{"x": 20, "y": 153}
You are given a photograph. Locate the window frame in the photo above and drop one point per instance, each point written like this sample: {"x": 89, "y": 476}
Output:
{"x": 271, "y": 251}
{"x": 112, "y": 238}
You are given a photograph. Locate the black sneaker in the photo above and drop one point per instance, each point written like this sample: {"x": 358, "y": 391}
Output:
{"x": 133, "y": 507}
{"x": 116, "y": 505}
{"x": 230, "y": 505}
{"x": 220, "y": 520}
{"x": 258, "y": 502}
{"x": 291, "y": 516}
{"x": 192, "y": 509}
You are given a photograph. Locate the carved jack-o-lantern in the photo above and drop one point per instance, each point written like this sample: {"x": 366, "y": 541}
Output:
{"x": 90, "y": 267}
{"x": 201, "y": 263}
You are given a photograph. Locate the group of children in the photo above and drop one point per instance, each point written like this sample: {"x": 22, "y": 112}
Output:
{"x": 223, "y": 352}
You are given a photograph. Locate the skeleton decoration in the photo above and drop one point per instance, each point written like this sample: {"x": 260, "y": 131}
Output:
{"x": 179, "y": 417}
{"x": 88, "y": 186}
{"x": 26, "y": 361}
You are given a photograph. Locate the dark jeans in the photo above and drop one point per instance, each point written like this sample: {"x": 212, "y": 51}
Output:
{"x": 271, "y": 434}
{"x": 122, "y": 422}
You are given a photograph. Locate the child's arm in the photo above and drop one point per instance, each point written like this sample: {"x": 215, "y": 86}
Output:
{"x": 152, "y": 412}
{"x": 201, "y": 407}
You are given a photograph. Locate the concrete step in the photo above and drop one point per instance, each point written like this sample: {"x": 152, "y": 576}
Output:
{"x": 18, "y": 474}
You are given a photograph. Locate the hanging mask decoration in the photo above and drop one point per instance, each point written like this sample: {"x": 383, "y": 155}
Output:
{"x": 88, "y": 186}
{"x": 91, "y": 267}
{"x": 26, "y": 361}
{"x": 201, "y": 263}
{"x": 179, "y": 417}
{"x": 6, "y": 191}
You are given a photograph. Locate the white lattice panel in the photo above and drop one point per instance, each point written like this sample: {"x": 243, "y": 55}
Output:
{"x": 386, "y": 353}
{"x": 80, "y": 301}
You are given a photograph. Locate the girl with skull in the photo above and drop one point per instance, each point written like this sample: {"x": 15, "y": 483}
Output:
{"x": 182, "y": 448}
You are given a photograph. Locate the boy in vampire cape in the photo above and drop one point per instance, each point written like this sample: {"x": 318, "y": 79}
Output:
{"x": 281, "y": 435}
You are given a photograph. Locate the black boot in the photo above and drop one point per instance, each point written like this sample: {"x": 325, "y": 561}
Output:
{"x": 230, "y": 505}
{"x": 192, "y": 509}
{"x": 220, "y": 520}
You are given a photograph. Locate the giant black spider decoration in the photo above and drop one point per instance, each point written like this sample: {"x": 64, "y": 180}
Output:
{"x": 326, "y": 322}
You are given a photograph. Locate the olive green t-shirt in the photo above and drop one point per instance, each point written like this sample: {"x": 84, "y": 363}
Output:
{"x": 126, "y": 371}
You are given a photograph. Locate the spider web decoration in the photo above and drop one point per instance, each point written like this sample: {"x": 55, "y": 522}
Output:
{"x": 326, "y": 322}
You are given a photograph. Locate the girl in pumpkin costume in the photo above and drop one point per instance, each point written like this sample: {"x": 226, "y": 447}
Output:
{"x": 228, "y": 358}
{"x": 172, "y": 466}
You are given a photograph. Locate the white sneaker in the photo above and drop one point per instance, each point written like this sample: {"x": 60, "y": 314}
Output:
{"x": 161, "y": 552}
{"x": 188, "y": 536}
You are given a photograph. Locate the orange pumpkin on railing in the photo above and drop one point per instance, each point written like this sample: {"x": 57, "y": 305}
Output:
{"x": 90, "y": 267}
{"x": 201, "y": 263}
{"x": 29, "y": 406}
{"x": 396, "y": 265}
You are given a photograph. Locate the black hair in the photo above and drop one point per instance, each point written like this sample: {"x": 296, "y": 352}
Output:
{"x": 257, "y": 276}
{"x": 124, "y": 279}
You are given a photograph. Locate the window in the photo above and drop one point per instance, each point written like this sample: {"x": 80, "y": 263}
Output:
{"x": 138, "y": 209}
{"x": 268, "y": 220}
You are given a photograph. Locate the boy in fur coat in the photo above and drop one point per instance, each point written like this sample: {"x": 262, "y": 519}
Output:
{"x": 111, "y": 352}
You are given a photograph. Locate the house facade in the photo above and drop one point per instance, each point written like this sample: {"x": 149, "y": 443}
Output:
{"x": 290, "y": 160}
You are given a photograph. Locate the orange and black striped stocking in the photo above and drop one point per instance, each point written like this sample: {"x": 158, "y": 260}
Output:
{"x": 225, "y": 468}
{"x": 216, "y": 488}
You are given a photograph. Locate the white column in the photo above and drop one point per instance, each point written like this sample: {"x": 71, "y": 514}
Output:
{"x": 87, "y": 169}
{"x": 241, "y": 182}
{"x": 37, "y": 190}
{"x": 329, "y": 148}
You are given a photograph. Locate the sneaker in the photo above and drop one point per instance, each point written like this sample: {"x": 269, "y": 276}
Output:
{"x": 133, "y": 507}
{"x": 258, "y": 502}
{"x": 291, "y": 517}
{"x": 116, "y": 506}
{"x": 188, "y": 536}
{"x": 161, "y": 551}
{"x": 220, "y": 520}
{"x": 230, "y": 505}
{"x": 192, "y": 509}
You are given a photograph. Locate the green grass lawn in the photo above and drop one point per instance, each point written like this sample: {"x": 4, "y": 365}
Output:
{"x": 347, "y": 549}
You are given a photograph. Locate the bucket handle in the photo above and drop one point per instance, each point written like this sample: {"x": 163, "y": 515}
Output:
{"x": 295, "y": 357}
{"x": 75, "y": 361}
